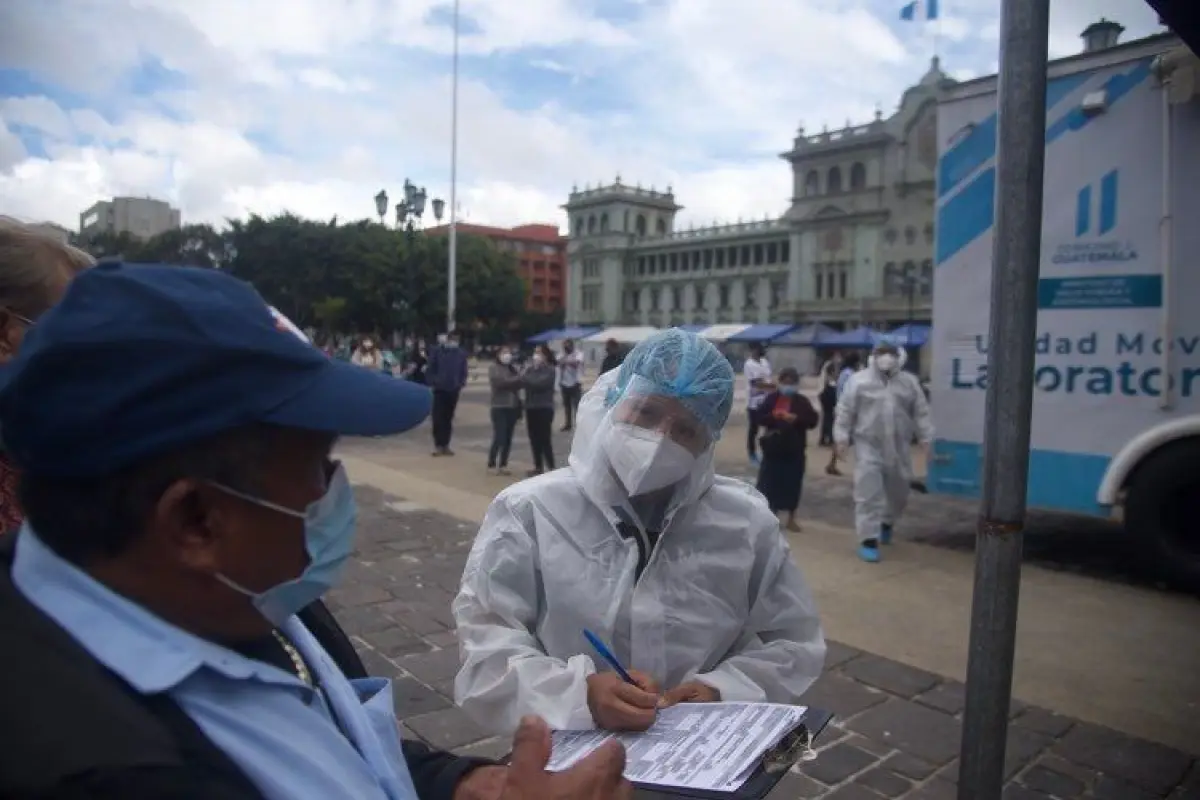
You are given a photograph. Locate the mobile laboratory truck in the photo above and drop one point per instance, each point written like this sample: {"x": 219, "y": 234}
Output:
{"x": 1116, "y": 420}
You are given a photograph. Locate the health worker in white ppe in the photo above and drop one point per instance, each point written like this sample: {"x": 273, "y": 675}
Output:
{"x": 683, "y": 574}
{"x": 883, "y": 411}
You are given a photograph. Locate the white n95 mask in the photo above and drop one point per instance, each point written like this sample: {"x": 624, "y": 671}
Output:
{"x": 646, "y": 460}
{"x": 886, "y": 362}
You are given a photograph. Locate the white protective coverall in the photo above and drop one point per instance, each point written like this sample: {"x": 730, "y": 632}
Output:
{"x": 719, "y": 600}
{"x": 882, "y": 415}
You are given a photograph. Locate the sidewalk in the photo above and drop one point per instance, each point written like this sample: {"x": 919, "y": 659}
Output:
{"x": 897, "y": 728}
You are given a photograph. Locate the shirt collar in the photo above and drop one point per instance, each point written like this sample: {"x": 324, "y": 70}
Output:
{"x": 148, "y": 652}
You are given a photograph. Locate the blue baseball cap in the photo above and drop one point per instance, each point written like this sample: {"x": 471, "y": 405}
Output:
{"x": 138, "y": 359}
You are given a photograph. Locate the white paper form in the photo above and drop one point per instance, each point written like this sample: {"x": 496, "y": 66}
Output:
{"x": 706, "y": 746}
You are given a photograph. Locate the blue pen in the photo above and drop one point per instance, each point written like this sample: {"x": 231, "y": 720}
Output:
{"x": 607, "y": 655}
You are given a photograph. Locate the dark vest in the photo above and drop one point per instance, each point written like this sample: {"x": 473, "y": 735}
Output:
{"x": 63, "y": 714}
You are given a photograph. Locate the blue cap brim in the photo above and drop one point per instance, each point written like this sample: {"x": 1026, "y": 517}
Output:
{"x": 349, "y": 400}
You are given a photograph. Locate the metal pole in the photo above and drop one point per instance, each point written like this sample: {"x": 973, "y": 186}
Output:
{"x": 1016, "y": 254}
{"x": 452, "y": 278}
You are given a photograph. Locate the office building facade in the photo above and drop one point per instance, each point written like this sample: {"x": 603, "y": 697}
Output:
{"x": 541, "y": 254}
{"x": 140, "y": 217}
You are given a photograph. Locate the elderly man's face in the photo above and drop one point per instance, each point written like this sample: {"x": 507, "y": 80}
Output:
{"x": 216, "y": 533}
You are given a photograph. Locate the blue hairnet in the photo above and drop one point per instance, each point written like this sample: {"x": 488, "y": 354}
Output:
{"x": 676, "y": 363}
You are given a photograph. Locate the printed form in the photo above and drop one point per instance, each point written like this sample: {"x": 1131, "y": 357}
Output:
{"x": 706, "y": 746}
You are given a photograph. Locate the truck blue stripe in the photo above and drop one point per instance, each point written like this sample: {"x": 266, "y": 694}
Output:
{"x": 1108, "y": 202}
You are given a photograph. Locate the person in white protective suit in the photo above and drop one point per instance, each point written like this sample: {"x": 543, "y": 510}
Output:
{"x": 683, "y": 574}
{"x": 882, "y": 410}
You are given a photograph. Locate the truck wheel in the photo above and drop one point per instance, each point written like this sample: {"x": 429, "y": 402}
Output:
{"x": 1162, "y": 510}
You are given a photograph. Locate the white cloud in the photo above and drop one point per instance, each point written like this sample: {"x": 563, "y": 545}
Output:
{"x": 313, "y": 105}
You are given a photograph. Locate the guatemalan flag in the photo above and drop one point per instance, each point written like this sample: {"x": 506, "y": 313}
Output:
{"x": 910, "y": 11}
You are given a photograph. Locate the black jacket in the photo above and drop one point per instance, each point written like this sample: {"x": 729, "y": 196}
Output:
{"x": 74, "y": 730}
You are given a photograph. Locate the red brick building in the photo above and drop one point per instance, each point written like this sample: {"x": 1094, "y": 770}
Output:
{"x": 541, "y": 253}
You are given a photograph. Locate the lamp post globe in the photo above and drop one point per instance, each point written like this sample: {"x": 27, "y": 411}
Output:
{"x": 381, "y": 204}
{"x": 439, "y": 206}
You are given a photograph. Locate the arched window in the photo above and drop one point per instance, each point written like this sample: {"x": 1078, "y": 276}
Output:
{"x": 890, "y": 236}
{"x": 929, "y": 232}
{"x": 641, "y": 224}
{"x": 858, "y": 176}
{"x": 833, "y": 183}
{"x": 660, "y": 226}
{"x": 604, "y": 222}
{"x": 812, "y": 183}
{"x": 910, "y": 235}
{"x": 579, "y": 226}
{"x": 927, "y": 277}
{"x": 592, "y": 224}
{"x": 625, "y": 222}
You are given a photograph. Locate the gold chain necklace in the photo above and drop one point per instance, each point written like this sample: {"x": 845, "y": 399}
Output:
{"x": 297, "y": 661}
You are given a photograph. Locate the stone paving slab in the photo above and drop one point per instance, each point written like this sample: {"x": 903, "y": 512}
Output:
{"x": 897, "y": 730}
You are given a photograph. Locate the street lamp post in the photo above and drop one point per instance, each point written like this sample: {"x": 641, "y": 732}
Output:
{"x": 409, "y": 212}
{"x": 910, "y": 282}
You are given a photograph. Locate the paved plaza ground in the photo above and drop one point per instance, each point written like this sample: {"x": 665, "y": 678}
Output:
{"x": 897, "y": 729}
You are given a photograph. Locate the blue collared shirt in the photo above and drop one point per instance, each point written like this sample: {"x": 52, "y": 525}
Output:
{"x": 277, "y": 729}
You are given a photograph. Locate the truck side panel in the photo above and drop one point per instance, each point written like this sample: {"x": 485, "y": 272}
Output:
{"x": 1099, "y": 370}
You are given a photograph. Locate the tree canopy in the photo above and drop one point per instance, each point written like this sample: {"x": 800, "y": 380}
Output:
{"x": 358, "y": 276}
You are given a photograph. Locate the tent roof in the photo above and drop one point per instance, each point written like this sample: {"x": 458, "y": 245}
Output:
{"x": 761, "y": 333}
{"x": 624, "y": 335}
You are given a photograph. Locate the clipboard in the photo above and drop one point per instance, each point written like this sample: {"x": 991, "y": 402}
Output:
{"x": 761, "y": 782}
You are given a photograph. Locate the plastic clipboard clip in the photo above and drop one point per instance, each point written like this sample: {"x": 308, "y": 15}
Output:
{"x": 791, "y": 750}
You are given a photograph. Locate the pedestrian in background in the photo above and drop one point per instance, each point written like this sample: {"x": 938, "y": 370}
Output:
{"x": 447, "y": 375}
{"x": 786, "y": 416}
{"x": 850, "y": 365}
{"x": 882, "y": 410}
{"x": 612, "y": 356}
{"x": 367, "y": 355}
{"x": 505, "y": 382}
{"x": 538, "y": 380}
{"x": 828, "y": 397}
{"x": 757, "y": 371}
{"x": 570, "y": 381}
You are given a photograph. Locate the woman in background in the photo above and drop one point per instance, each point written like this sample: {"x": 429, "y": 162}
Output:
{"x": 506, "y": 401}
{"x": 34, "y": 272}
{"x": 538, "y": 381}
{"x": 786, "y": 417}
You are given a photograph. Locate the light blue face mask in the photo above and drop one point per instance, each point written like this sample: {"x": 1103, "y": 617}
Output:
{"x": 328, "y": 538}
{"x": 788, "y": 390}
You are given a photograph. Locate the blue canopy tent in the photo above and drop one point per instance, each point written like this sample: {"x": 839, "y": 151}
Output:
{"x": 558, "y": 334}
{"x": 805, "y": 336}
{"x": 760, "y": 333}
{"x": 911, "y": 335}
{"x": 859, "y": 337}
{"x": 695, "y": 327}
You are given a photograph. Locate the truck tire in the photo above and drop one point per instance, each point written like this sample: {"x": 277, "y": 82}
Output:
{"x": 1162, "y": 510}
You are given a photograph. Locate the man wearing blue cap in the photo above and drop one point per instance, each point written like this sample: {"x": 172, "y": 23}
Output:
{"x": 181, "y": 507}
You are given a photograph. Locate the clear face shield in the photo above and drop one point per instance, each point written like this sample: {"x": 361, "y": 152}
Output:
{"x": 653, "y": 441}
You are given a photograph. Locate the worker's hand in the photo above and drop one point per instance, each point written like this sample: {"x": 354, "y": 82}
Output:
{"x": 691, "y": 692}
{"x": 482, "y": 783}
{"x": 597, "y": 777}
{"x": 788, "y": 417}
{"x": 618, "y": 706}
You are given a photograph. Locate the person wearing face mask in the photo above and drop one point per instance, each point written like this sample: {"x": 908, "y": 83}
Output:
{"x": 684, "y": 574}
{"x": 178, "y": 524}
{"x": 538, "y": 382}
{"x": 882, "y": 410}
{"x": 34, "y": 272}
{"x": 786, "y": 417}
{"x": 367, "y": 355}
{"x": 505, "y": 382}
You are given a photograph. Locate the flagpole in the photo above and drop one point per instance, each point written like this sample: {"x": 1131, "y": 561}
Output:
{"x": 452, "y": 277}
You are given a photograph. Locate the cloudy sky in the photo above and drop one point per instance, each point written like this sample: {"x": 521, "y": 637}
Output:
{"x": 226, "y": 107}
